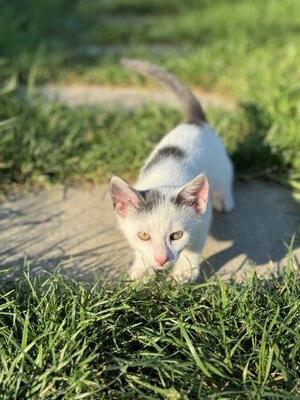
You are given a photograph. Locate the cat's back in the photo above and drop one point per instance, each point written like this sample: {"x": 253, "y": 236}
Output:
{"x": 189, "y": 144}
{"x": 186, "y": 136}
{"x": 186, "y": 151}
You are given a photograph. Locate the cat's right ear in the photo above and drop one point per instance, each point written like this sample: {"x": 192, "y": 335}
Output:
{"x": 194, "y": 194}
{"x": 123, "y": 196}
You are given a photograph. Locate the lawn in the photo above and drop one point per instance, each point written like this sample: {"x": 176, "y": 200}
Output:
{"x": 248, "y": 50}
{"x": 61, "y": 339}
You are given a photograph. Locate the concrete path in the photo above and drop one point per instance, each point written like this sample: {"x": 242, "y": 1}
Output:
{"x": 126, "y": 97}
{"x": 76, "y": 229}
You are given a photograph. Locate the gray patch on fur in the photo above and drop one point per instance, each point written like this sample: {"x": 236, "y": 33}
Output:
{"x": 151, "y": 199}
{"x": 180, "y": 200}
{"x": 168, "y": 151}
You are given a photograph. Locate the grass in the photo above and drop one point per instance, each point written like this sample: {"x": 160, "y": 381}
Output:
{"x": 62, "y": 339}
{"x": 210, "y": 36}
{"x": 43, "y": 142}
{"x": 214, "y": 340}
{"x": 247, "y": 49}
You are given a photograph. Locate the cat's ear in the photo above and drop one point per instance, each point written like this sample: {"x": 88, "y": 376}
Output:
{"x": 123, "y": 196}
{"x": 194, "y": 194}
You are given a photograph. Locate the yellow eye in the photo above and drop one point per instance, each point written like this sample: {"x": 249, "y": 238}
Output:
{"x": 176, "y": 235}
{"x": 144, "y": 236}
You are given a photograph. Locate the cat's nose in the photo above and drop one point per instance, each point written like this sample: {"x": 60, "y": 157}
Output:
{"x": 161, "y": 260}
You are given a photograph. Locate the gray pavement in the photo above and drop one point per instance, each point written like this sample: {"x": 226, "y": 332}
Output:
{"x": 75, "y": 229}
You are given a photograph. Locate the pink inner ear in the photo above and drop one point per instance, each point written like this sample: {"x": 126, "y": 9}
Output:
{"x": 123, "y": 197}
{"x": 121, "y": 209}
{"x": 202, "y": 196}
{"x": 195, "y": 194}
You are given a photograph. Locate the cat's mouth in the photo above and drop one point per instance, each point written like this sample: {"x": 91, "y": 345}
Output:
{"x": 166, "y": 266}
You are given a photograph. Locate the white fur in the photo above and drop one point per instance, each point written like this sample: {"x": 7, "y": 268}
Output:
{"x": 205, "y": 155}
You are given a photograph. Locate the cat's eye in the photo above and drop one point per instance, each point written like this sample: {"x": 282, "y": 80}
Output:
{"x": 144, "y": 236}
{"x": 176, "y": 235}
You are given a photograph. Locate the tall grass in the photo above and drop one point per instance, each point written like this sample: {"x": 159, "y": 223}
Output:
{"x": 61, "y": 339}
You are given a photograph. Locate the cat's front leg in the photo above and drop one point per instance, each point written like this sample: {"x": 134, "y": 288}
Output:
{"x": 186, "y": 268}
{"x": 140, "y": 269}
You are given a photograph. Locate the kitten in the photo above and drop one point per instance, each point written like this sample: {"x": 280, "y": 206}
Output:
{"x": 166, "y": 214}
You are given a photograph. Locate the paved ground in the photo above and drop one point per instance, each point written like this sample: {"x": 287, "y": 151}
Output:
{"x": 76, "y": 229}
{"x": 128, "y": 97}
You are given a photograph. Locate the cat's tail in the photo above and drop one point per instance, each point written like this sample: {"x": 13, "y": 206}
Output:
{"x": 193, "y": 110}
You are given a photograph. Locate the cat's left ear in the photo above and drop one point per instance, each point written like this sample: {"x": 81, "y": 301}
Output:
{"x": 194, "y": 194}
{"x": 123, "y": 196}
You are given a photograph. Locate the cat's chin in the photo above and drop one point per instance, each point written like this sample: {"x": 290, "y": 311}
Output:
{"x": 163, "y": 268}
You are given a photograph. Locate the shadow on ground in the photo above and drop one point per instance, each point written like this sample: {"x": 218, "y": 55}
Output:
{"x": 75, "y": 230}
{"x": 254, "y": 154}
{"x": 67, "y": 229}
{"x": 256, "y": 235}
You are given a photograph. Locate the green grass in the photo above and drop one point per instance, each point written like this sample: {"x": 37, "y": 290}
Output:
{"x": 42, "y": 142}
{"x": 61, "y": 339}
{"x": 216, "y": 43}
{"x": 247, "y": 49}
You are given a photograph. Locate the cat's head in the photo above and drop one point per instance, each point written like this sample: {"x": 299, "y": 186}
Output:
{"x": 159, "y": 223}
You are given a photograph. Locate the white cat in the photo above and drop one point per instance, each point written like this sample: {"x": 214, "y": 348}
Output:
{"x": 166, "y": 214}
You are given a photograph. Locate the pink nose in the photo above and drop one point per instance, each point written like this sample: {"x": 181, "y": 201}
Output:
{"x": 161, "y": 260}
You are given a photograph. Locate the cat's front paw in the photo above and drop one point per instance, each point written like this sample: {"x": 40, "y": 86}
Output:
{"x": 140, "y": 273}
{"x": 185, "y": 275}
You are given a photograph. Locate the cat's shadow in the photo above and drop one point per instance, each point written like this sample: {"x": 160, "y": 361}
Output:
{"x": 256, "y": 233}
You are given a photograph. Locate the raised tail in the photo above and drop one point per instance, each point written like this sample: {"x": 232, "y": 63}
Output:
{"x": 193, "y": 110}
